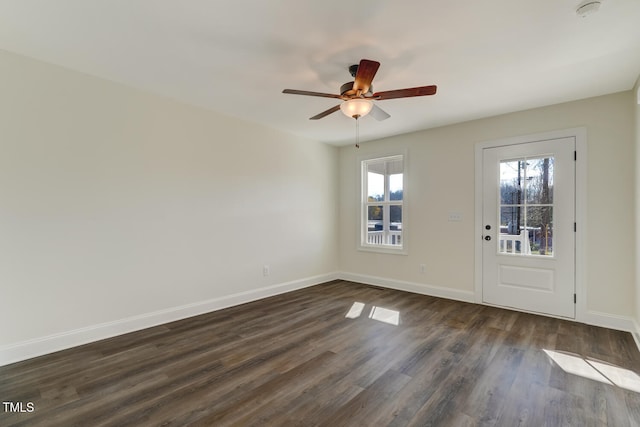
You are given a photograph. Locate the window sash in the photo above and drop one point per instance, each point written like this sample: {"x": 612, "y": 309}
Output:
{"x": 385, "y": 239}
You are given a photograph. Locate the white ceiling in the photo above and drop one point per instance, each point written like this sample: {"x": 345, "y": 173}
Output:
{"x": 235, "y": 57}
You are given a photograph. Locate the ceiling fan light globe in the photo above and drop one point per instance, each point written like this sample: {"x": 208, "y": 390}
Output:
{"x": 356, "y": 107}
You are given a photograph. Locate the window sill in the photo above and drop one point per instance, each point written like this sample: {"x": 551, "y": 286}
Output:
{"x": 383, "y": 249}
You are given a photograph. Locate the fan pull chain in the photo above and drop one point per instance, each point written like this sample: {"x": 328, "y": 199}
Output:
{"x": 357, "y": 131}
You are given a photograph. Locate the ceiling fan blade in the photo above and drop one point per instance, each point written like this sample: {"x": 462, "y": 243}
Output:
{"x": 308, "y": 93}
{"x": 405, "y": 93}
{"x": 378, "y": 113}
{"x": 364, "y": 76}
{"x": 325, "y": 113}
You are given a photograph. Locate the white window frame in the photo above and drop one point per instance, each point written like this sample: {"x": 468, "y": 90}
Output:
{"x": 363, "y": 243}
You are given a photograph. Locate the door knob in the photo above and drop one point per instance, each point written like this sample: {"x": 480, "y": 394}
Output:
{"x": 487, "y": 238}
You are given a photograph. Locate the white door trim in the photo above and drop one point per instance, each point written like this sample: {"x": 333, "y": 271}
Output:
{"x": 580, "y": 135}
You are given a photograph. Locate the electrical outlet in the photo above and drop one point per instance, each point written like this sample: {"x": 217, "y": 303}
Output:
{"x": 266, "y": 270}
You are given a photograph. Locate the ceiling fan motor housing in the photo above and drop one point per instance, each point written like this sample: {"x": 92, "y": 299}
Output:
{"x": 347, "y": 90}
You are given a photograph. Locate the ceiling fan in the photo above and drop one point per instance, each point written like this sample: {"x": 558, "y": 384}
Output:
{"x": 358, "y": 95}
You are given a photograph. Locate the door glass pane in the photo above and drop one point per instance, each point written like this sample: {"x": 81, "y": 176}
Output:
{"x": 511, "y": 174}
{"x": 512, "y": 220}
{"x": 540, "y": 226}
{"x": 539, "y": 180}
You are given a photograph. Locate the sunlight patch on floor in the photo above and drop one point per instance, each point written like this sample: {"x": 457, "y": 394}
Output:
{"x": 355, "y": 311}
{"x": 381, "y": 314}
{"x": 594, "y": 370}
{"x": 385, "y": 315}
{"x": 619, "y": 376}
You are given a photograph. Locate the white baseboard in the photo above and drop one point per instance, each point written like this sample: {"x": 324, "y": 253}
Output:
{"x": 39, "y": 346}
{"x": 636, "y": 334}
{"x": 606, "y": 320}
{"x": 417, "y": 288}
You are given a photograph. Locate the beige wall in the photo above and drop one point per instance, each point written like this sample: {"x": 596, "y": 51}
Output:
{"x": 441, "y": 179}
{"x": 115, "y": 203}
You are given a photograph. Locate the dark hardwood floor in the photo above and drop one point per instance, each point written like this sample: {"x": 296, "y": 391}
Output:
{"x": 314, "y": 358}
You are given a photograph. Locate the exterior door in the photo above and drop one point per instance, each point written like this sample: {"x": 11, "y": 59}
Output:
{"x": 528, "y": 251}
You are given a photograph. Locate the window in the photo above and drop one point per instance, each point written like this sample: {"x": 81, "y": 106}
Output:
{"x": 383, "y": 195}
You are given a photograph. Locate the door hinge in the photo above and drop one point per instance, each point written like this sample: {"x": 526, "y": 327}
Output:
{"x": 575, "y": 299}
{"x": 575, "y": 155}
{"x": 575, "y": 227}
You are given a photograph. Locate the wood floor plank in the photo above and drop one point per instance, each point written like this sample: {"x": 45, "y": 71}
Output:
{"x": 371, "y": 404}
{"x": 297, "y": 359}
{"x": 423, "y": 385}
